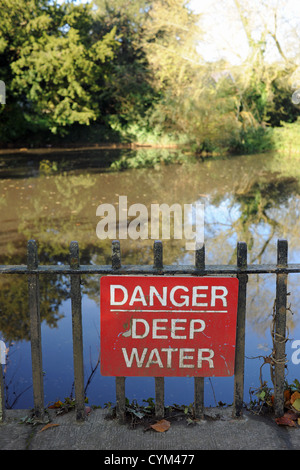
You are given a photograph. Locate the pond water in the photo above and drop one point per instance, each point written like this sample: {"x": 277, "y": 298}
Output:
{"x": 52, "y": 197}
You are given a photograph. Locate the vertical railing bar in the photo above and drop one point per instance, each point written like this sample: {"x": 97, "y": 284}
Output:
{"x": 280, "y": 329}
{"x": 77, "y": 332}
{"x": 2, "y": 401}
{"x": 35, "y": 331}
{"x": 199, "y": 381}
{"x": 159, "y": 381}
{"x": 158, "y": 255}
{"x": 159, "y": 397}
{"x": 120, "y": 399}
{"x": 120, "y": 381}
{"x": 239, "y": 369}
{"x": 116, "y": 254}
{"x": 200, "y": 258}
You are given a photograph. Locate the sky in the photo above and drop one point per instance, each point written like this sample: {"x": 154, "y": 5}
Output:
{"x": 219, "y": 39}
{"x": 225, "y": 36}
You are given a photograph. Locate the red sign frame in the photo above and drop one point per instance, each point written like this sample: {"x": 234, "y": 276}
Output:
{"x": 168, "y": 326}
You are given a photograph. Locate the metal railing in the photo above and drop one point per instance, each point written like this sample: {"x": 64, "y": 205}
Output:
{"x": 33, "y": 270}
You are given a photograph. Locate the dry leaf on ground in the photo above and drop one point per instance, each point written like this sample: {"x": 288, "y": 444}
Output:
{"x": 49, "y": 425}
{"x": 296, "y": 405}
{"x": 295, "y": 401}
{"x": 161, "y": 426}
{"x": 295, "y": 396}
{"x": 285, "y": 420}
{"x": 57, "y": 404}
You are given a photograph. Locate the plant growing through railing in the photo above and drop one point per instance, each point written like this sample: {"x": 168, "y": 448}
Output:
{"x": 263, "y": 401}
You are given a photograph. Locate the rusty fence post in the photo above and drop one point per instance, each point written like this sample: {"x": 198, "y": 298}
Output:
{"x": 120, "y": 381}
{"x": 239, "y": 369}
{"x": 279, "y": 339}
{"x": 35, "y": 331}
{"x": 199, "y": 381}
{"x": 77, "y": 332}
{"x": 159, "y": 381}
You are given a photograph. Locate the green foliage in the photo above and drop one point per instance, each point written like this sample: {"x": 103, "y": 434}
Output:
{"x": 129, "y": 92}
{"x": 52, "y": 64}
{"x": 286, "y": 137}
{"x": 47, "y": 168}
{"x": 281, "y": 108}
{"x": 253, "y": 140}
{"x": 133, "y": 71}
{"x": 261, "y": 398}
{"x": 147, "y": 158}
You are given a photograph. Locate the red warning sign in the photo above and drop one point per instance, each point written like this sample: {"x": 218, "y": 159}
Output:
{"x": 161, "y": 326}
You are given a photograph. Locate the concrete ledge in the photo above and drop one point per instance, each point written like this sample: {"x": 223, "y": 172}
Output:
{"x": 218, "y": 431}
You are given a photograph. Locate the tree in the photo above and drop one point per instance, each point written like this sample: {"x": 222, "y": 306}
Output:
{"x": 129, "y": 91}
{"x": 271, "y": 42}
{"x": 193, "y": 103}
{"x": 51, "y": 63}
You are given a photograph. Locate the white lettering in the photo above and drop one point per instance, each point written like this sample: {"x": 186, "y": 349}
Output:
{"x": 191, "y": 327}
{"x": 178, "y": 296}
{"x": 196, "y": 295}
{"x": 115, "y": 460}
{"x": 108, "y": 221}
{"x": 163, "y": 300}
{"x": 169, "y": 352}
{"x": 134, "y": 355}
{"x": 152, "y": 361}
{"x": 222, "y": 297}
{"x": 3, "y": 352}
{"x": 112, "y": 295}
{"x": 122, "y": 217}
{"x": 156, "y": 327}
{"x": 208, "y": 358}
{"x": 141, "y": 221}
{"x": 165, "y": 211}
{"x": 296, "y": 354}
{"x": 134, "y": 298}
{"x": 189, "y": 225}
{"x": 147, "y": 328}
{"x": 197, "y": 214}
{"x": 196, "y": 330}
{"x": 174, "y": 327}
{"x": 182, "y": 357}
{"x": 184, "y": 297}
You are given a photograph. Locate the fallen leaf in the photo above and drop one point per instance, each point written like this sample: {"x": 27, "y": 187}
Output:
{"x": 161, "y": 426}
{"x": 295, "y": 396}
{"x": 49, "y": 425}
{"x": 296, "y": 404}
{"x": 57, "y": 404}
{"x": 285, "y": 420}
{"x": 292, "y": 415}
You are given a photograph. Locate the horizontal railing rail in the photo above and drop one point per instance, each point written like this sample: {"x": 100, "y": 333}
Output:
{"x": 105, "y": 270}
